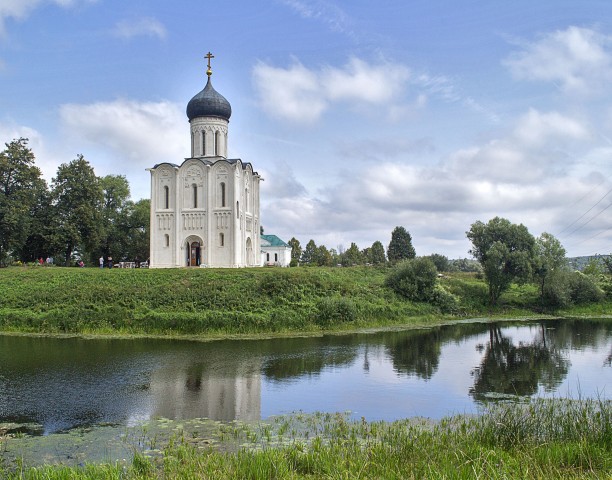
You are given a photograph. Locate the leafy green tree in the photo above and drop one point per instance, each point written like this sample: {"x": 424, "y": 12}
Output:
{"x": 505, "y": 252}
{"x": 309, "y": 254}
{"x": 20, "y": 187}
{"x": 296, "y": 251}
{"x": 134, "y": 230}
{"x": 549, "y": 259}
{"x": 78, "y": 201}
{"x": 400, "y": 247}
{"x": 323, "y": 257}
{"x": 594, "y": 267}
{"x": 39, "y": 242}
{"x": 115, "y": 224}
{"x": 414, "y": 279}
{"x": 377, "y": 253}
{"x": 606, "y": 261}
{"x": 440, "y": 261}
{"x": 352, "y": 256}
{"x": 464, "y": 265}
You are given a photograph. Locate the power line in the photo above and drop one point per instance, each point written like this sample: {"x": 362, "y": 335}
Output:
{"x": 582, "y": 216}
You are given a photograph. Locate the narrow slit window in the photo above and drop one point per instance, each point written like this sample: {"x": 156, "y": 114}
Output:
{"x": 166, "y": 197}
{"x": 195, "y": 195}
{"x": 167, "y": 240}
{"x": 217, "y": 137}
{"x": 222, "y": 194}
{"x": 221, "y": 239}
{"x": 203, "y": 144}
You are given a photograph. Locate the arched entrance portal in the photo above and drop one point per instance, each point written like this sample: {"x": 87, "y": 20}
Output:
{"x": 194, "y": 250}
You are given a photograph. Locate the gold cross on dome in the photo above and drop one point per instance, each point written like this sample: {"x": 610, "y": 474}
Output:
{"x": 209, "y": 56}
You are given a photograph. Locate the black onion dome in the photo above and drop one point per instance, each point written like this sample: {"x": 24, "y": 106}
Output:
{"x": 209, "y": 103}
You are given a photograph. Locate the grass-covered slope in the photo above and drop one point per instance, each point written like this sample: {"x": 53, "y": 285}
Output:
{"x": 228, "y": 301}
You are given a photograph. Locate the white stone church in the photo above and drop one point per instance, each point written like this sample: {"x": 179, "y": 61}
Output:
{"x": 205, "y": 211}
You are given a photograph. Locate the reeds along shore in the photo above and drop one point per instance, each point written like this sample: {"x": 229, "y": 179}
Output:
{"x": 549, "y": 439}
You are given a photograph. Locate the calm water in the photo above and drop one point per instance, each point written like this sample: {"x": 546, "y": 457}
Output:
{"x": 65, "y": 383}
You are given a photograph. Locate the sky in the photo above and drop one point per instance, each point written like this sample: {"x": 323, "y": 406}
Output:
{"x": 360, "y": 116}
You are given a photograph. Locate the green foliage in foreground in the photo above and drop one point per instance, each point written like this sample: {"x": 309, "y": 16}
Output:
{"x": 540, "y": 439}
{"x": 239, "y": 301}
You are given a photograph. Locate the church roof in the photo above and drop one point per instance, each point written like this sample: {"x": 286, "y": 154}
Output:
{"x": 209, "y": 103}
{"x": 272, "y": 241}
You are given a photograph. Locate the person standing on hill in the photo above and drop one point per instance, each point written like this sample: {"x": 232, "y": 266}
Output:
{"x": 101, "y": 262}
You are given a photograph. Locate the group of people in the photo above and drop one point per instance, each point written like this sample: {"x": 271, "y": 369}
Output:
{"x": 48, "y": 261}
{"x": 109, "y": 263}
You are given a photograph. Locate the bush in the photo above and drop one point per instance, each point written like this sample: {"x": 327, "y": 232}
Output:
{"x": 414, "y": 279}
{"x": 583, "y": 289}
{"x": 332, "y": 311}
{"x": 571, "y": 288}
{"x": 444, "y": 300}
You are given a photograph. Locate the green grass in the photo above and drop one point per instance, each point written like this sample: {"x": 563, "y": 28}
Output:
{"x": 232, "y": 301}
{"x": 541, "y": 439}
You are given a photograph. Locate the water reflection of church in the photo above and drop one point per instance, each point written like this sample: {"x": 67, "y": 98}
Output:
{"x": 200, "y": 391}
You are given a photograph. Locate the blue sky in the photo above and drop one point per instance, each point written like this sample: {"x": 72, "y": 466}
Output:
{"x": 360, "y": 115}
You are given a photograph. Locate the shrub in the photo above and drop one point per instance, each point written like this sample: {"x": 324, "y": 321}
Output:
{"x": 444, "y": 300}
{"x": 583, "y": 289}
{"x": 332, "y": 311}
{"x": 571, "y": 288}
{"x": 414, "y": 279}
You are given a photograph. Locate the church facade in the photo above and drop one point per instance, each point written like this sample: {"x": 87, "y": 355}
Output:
{"x": 205, "y": 211}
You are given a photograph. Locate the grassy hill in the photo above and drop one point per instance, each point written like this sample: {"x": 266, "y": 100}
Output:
{"x": 229, "y": 301}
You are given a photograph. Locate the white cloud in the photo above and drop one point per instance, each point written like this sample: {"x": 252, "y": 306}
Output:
{"x": 127, "y": 136}
{"x": 359, "y": 81}
{"x": 147, "y": 26}
{"x": 524, "y": 175}
{"x": 20, "y": 9}
{"x": 329, "y": 14}
{"x": 578, "y": 59}
{"x": 538, "y": 129}
{"x": 302, "y": 95}
{"x": 292, "y": 93}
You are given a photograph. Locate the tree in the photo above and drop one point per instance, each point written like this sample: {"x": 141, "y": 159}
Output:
{"x": 377, "y": 254}
{"x": 115, "y": 225}
{"x": 606, "y": 260}
{"x": 78, "y": 200}
{"x": 400, "y": 247}
{"x": 352, "y": 256}
{"x": 323, "y": 257}
{"x": 296, "y": 251}
{"x": 440, "y": 261}
{"x": 135, "y": 230}
{"x": 20, "y": 187}
{"x": 505, "y": 252}
{"x": 309, "y": 254}
{"x": 414, "y": 279}
{"x": 549, "y": 259}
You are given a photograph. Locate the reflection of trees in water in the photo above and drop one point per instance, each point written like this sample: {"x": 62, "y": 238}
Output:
{"x": 417, "y": 354}
{"x": 510, "y": 369}
{"x": 294, "y": 359}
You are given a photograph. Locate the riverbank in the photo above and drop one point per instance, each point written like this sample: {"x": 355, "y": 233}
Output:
{"x": 539, "y": 439}
{"x": 229, "y": 302}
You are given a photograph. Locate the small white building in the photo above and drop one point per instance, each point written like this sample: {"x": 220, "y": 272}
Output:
{"x": 274, "y": 252}
{"x": 205, "y": 211}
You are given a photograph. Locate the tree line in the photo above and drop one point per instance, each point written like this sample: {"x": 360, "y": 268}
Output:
{"x": 78, "y": 217}
{"x": 400, "y": 248}
{"x": 504, "y": 253}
